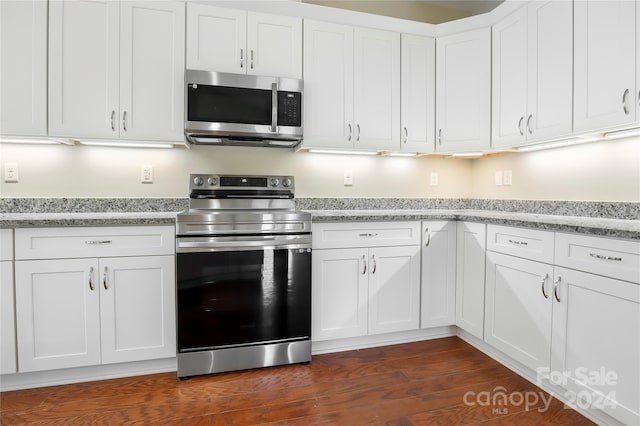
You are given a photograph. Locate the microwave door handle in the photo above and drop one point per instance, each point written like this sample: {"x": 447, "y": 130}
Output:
{"x": 274, "y": 107}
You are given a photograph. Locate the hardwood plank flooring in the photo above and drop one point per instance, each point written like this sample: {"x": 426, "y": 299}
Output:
{"x": 422, "y": 383}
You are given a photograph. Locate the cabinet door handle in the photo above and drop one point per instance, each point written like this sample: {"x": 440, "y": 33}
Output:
{"x": 406, "y": 135}
{"x": 529, "y": 124}
{"x": 544, "y": 281}
{"x": 364, "y": 264}
{"x": 625, "y": 106}
{"x": 251, "y": 58}
{"x": 124, "y": 121}
{"x": 428, "y": 235}
{"x": 91, "y": 286}
{"x": 556, "y": 283}
{"x": 113, "y": 120}
{"x": 350, "y": 132}
{"x": 104, "y": 278}
{"x": 601, "y": 257}
{"x": 97, "y": 242}
{"x": 375, "y": 264}
{"x": 520, "y": 126}
{"x": 440, "y": 137}
{"x": 358, "y": 133}
{"x": 241, "y": 58}
{"x": 519, "y": 243}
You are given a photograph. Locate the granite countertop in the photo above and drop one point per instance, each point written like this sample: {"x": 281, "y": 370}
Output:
{"x": 23, "y": 220}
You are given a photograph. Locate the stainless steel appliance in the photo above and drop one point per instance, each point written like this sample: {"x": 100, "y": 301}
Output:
{"x": 243, "y": 265}
{"x": 239, "y": 109}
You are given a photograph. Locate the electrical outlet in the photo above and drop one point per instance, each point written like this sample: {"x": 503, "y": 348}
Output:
{"x": 11, "y": 172}
{"x": 499, "y": 177}
{"x": 146, "y": 173}
{"x": 433, "y": 179}
{"x": 507, "y": 177}
{"x": 348, "y": 178}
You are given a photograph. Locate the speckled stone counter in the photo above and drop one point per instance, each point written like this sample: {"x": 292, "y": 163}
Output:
{"x": 24, "y": 220}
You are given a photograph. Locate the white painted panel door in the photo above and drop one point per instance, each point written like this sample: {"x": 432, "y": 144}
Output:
{"x": 470, "y": 274}
{"x": 328, "y": 85}
{"x": 394, "y": 289}
{"x": 216, "y": 39}
{"x": 438, "y": 296}
{"x": 83, "y": 68}
{"x": 274, "y": 44}
{"x": 152, "y": 52}
{"x": 550, "y": 65}
{"x": 377, "y": 89}
{"x": 509, "y": 80}
{"x": 339, "y": 293}
{"x": 57, "y": 314}
{"x": 417, "y": 99}
{"x": 137, "y": 308}
{"x": 463, "y": 91}
{"x": 604, "y": 60}
{"x": 23, "y": 58}
{"x": 596, "y": 333}
{"x": 518, "y": 308}
{"x": 8, "y": 362}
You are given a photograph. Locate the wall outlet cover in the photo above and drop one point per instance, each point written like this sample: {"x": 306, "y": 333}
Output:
{"x": 348, "y": 178}
{"x": 433, "y": 179}
{"x": 507, "y": 177}
{"x": 146, "y": 173}
{"x": 498, "y": 178}
{"x": 11, "y": 172}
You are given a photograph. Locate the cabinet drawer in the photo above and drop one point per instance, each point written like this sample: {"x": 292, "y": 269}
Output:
{"x": 369, "y": 234}
{"x": 56, "y": 243}
{"x": 603, "y": 256}
{"x": 6, "y": 244}
{"x": 526, "y": 243}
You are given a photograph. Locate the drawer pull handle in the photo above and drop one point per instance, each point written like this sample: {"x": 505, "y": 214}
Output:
{"x": 104, "y": 278}
{"x": 519, "y": 243}
{"x": 369, "y": 235}
{"x": 599, "y": 256}
{"x": 97, "y": 242}
{"x": 555, "y": 288}
{"x": 375, "y": 264}
{"x": 544, "y": 281}
{"x": 91, "y": 287}
{"x": 364, "y": 263}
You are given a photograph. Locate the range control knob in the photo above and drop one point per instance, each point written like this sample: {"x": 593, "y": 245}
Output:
{"x": 274, "y": 182}
{"x": 286, "y": 182}
{"x": 212, "y": 181}
{"x": 198, "y": 180}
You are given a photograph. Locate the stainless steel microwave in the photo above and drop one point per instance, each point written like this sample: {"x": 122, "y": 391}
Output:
{"x": 242, "y": 110}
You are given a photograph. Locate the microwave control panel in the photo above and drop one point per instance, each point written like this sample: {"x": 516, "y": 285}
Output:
{"x": 290, "y": 109}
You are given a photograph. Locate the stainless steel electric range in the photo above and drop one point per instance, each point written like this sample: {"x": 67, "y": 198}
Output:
{"x": 243, "y": 266}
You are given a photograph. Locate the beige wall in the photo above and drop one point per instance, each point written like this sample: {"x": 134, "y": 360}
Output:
{"x": 603, "y": 171}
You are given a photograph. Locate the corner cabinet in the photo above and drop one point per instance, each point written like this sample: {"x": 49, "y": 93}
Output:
{"x": 470, "y": 268}
{"x": 604, "y": 62}
{"x": 237, "y": 41}
{"x": 116, "y": 69}
{"x": 365, "y": 279}
{"x": 23, "y": 73}
{"x": 80, "y": 303}
{"x": 532, "y": 74}
{"x": 463, "y": 91}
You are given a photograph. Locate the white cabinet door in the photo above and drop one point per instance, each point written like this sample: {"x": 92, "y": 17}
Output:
{"x": 604, "y": 63}
{"x": 377, "y": 89}
{"x": 274, "y": 45}
{"x": 438, "y": 307}
{"x": 23, "y": 76}
{"x": 216, "y": 38}
{"x": 339, "y": 293}
{"x": 518, "y": 308}
{"x": 152, "y": 51}
{"x": 137, "y": 308}
{"x": 394, "y": 289}
{"x": 57, "y": 313}
{"x": 463, "y": 91}
{"x": 418, "y": 84}
{"x": 470, "y": 272}
{"x": 596, "y": 341}
{"x": 509, "y": 80}
{"x": 328, "y": 85}
{"x": 83, "y": 69}
{"x": 7, "y": 320}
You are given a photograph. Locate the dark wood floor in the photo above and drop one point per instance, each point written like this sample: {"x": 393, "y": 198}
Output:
{"x": 412, "y": 384}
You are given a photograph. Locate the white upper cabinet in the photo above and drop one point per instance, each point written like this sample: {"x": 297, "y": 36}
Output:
{"x": 638, "y": 60}
{"x": 328, "y": 84}
{"x": 417, "y": 98}
{"x": 237, "y": 41}
{"x": 532, "y": 74}
{"x": 463, "y": 91}
{"x": 377, "y": 89}
{"x": 23, "y": 73}
{"x": 116, "y": 70}
{"x": 604, "y": 62}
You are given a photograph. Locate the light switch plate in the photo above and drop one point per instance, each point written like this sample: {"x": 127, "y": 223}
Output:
{"x": 11, "y": 172}
{"x": 146, "y": 173}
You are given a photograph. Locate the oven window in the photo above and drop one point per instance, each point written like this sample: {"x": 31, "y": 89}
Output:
{"x": 243, "y": 297}
{"x": 220, "y": 104}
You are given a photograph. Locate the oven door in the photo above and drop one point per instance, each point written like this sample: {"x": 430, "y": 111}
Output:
{"x": 242, "y": 291}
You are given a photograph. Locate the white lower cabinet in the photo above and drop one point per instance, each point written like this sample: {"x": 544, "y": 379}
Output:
{"x": 369, "y": 288}
{"x": 73, "y": 312}
{"x": 438, "y": 296}
{"x": 7, "y": 309}
{"x": 470, "y": 268}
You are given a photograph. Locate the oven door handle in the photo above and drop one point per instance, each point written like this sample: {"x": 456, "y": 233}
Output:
{"x": 210, "y": 244}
